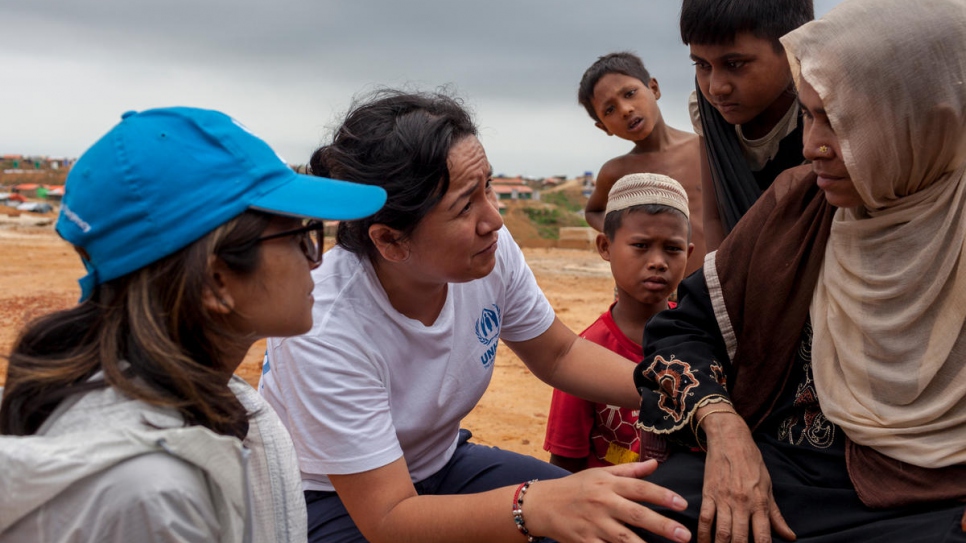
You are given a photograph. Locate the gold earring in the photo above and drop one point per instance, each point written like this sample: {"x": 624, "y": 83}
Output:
{"x": 823, "y": 149}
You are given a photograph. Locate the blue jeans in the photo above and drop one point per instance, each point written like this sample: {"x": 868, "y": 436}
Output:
{"x": 473, "y": 468}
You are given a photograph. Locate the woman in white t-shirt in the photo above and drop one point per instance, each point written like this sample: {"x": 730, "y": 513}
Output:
{"x": 409, "y": 308}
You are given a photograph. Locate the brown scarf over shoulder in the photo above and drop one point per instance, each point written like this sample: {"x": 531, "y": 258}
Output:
{"x": 761, "y": 284}
{"x": 765, "y": 273}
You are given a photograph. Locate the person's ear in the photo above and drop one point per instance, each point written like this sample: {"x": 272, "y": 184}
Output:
{"x": 655, "y": 88}
{"x": 600, "y": 125}
{"x": 690, "y": 249}
{"x": 603, "y": 246}
{"x": 388, "y": 242}
{"x": 216, "y": 296}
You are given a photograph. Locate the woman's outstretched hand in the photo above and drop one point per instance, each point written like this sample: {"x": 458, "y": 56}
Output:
{"x": 737, "y": 488}
{"x": 597, "y": 505}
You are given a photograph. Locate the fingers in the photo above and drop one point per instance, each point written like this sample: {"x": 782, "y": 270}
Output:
{"x": 706, "y": 519}
{"x": 619, "y": 531}
{"x": 732, "y": 525}
{"x": 642, "y": 491}
{"x": 724, "y": 526}
{"x": 761, "y": 527}
{"x": 633, "y": 469}
{"x": 643, "y": 517}
{"x": 603, "y": 505}
{"x": 632, "y": 487}
{"x": 778, "y": 523}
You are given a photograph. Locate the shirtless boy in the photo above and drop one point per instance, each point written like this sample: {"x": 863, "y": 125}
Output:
{"x": 621, "y": 96}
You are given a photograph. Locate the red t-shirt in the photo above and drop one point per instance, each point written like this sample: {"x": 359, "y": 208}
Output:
{"x": 604, "y": 434}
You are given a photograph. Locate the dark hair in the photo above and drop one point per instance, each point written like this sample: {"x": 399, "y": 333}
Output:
{"x": 148, "y": 331}
{"x": 399, "y": 141}
{"x": 615, "y": 219}
{"x": 717, "y": 22}
{"x": 622, "y": 62}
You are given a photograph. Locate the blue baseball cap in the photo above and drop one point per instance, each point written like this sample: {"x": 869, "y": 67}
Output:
{"x": 163, "y": 178}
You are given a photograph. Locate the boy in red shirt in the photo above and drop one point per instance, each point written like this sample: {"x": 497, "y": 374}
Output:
{"x": 647, "y": 240}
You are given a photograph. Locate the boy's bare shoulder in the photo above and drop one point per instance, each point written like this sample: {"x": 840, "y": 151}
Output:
{"x": 683, "y": 140}
{"x": 682, "y": 149}
{"x": 615, "y": 168}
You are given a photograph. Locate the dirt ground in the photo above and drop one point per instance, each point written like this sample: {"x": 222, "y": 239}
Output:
{"x": 39, "y": 274}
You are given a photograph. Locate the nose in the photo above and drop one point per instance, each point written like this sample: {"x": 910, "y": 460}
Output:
{"x": 626, "y": 109}
{"x": 816, "y": 142}
{"x": 657, "y": 262}
{"x": 719, "y": 84}
{"x": 490, "y": 218}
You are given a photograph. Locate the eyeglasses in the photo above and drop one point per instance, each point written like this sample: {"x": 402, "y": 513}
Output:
{"x": 311, "y": 237}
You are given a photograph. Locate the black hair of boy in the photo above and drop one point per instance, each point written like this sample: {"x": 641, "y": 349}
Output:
{"x": 622, "y": 62}
{"x": 615, "y": 219}
{"x": 717, "y": 22}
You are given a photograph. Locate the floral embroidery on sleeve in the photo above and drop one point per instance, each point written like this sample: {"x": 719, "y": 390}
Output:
{"x": 675, "y": 380}
{"x": 718, "y": 374}
{"x": 674, "y": 390}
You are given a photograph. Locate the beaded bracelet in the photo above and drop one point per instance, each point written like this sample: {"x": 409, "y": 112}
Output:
{"x": 518, "y": 511}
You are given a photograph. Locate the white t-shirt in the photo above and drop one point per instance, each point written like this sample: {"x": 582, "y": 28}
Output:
{"x": 368, "y": 385}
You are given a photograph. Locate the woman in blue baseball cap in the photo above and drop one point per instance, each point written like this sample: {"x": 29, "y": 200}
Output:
{"x": 410, "y": 308}
{"x": 121, "y": 420}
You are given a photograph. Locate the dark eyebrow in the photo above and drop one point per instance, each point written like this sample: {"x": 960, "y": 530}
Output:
{"x": 725, "y": 57}
{"x": 466, "y": 192}
{"x": 732, "y": 56}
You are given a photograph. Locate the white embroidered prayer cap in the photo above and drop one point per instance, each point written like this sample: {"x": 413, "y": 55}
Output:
{"x": 647, "y": 188}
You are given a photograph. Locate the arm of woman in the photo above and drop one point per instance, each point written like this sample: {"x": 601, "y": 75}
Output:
{"x": 580, "y": 367}
{"x": 684, "y": 393}
{"x": 593, "y": 505}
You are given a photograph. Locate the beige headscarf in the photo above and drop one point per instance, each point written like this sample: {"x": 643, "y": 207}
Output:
{"x": 888, "y": 313}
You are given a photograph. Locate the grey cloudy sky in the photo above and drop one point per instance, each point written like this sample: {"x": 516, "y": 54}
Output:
{"x": 288, "y": 68}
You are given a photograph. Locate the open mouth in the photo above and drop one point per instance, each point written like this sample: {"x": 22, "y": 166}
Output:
{"x": 635, "y": 124}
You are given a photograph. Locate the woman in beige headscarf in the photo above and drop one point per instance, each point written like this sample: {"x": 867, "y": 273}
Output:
{"x": 835, "y": 390}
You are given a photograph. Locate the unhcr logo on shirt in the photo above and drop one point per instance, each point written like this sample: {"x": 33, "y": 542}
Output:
{"x": 488, "y": 332}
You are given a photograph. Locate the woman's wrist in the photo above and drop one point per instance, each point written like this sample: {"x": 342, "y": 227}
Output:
{"x": 712, "y": 420}
{"x": 518, "y": 500}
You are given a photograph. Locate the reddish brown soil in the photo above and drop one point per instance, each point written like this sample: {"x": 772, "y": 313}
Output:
{"x": 39, "y": 274}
